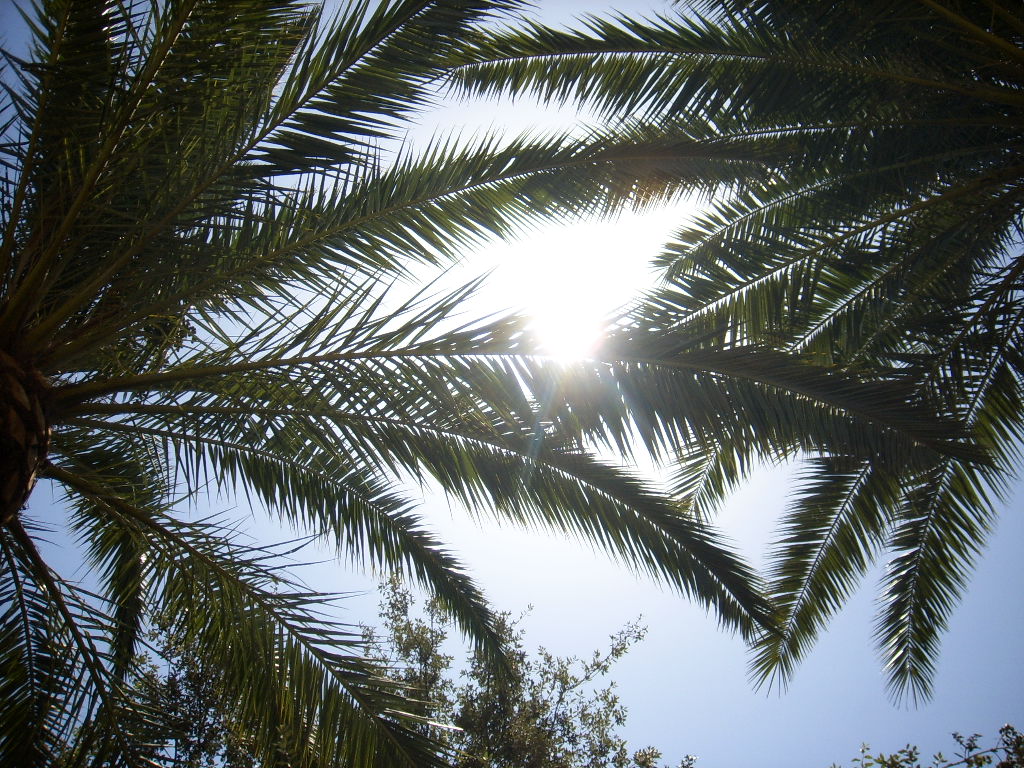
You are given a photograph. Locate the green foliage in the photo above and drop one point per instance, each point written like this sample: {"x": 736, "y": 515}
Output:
{"x": 542, "y": 711}
{"x": 866, "y": 214}
{"x": 189, "y": 721}
{"x": 204, "y": 244}
{"x": 1007, "y": 753}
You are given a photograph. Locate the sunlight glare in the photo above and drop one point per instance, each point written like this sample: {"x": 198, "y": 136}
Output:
{"x": 570, "y": 278}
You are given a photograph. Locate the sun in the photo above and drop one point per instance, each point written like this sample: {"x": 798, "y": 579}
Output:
{"x": 567, "y": 332}
{"x": 569, "y": 279}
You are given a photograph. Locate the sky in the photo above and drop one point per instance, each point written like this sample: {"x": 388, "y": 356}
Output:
{"x": 685, "y": 685}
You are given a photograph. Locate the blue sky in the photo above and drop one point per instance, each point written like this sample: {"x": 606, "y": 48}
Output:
{"x": 685, "y": 685}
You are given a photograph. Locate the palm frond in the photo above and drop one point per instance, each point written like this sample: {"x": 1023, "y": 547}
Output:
{"x": 828, "y": 540}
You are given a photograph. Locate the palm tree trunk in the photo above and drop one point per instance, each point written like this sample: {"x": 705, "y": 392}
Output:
{"x": 24, "y": 433}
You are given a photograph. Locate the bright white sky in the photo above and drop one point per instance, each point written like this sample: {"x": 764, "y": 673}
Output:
{"x": 685, "y": 685}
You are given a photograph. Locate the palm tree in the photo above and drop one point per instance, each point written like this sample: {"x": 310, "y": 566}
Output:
{"x": 201, "y": 235}
{"x": 879, "y": 233}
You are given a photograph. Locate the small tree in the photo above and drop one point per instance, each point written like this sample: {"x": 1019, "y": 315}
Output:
{"x": 1007, "y": 753}
{"x": 543, "y": 711}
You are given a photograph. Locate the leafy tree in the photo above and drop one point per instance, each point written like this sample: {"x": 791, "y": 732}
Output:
{"x": 543, "y": 712}
{"x": 186, "y": 718}
{"x": 877, "y": 229}
{"x": 1007, "y": 753}
{"x": 546, "y": 712}
{"x": 201, "y": 237}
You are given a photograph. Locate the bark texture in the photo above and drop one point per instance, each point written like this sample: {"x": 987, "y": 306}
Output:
{"x": 24, "y": 433}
